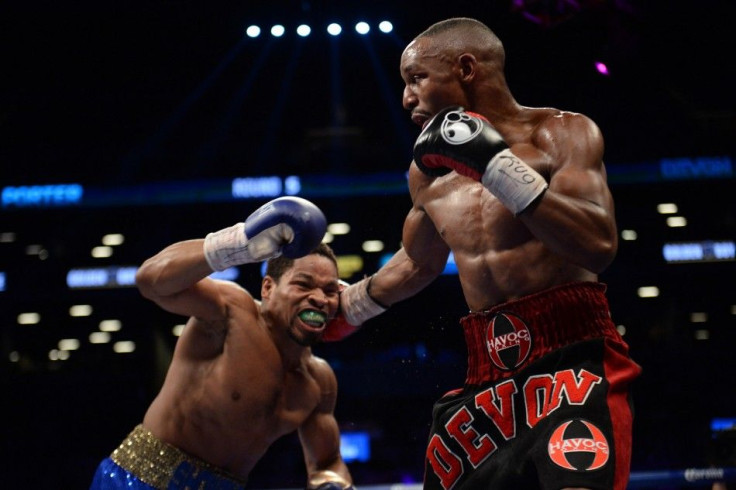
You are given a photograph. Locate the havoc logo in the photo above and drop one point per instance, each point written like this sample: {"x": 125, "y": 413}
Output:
{"x": 459, "y": 127}
{"x": 508, "y": 341}
{"x": 578, "y": 445}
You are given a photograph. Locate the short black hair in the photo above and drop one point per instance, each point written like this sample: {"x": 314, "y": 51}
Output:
{"x": 278, "y": 265}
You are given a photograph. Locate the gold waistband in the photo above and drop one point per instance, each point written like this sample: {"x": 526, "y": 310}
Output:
{"x": 156, "y": 463}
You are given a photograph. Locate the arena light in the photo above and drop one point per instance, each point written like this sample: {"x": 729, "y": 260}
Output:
{"x": 2, "y": 281}
{"x": 80, "y": 310}
{"x": 385, "y": 26}
{"x": 229, "y": 274}
{"x": 702, "y": 334}
{"x": 101, "y": 252}
{"x": 667, "y": 208}
{"x": 58, "y": 355}
{"x": 355, "y": 446}
{"x": 676, "y": 222}
{"x": 362, "y": 28}
{"x": 629, "y": 235}
{"x": 723, "y": 423}
{"x": 338, "y": 228}
{"x": 334, "y": 29}
{"x": 99, "y": 338}
{"x": 106, "y": 277}
{"x": 251, "y": 187}
{"x": 110, "y": 326}
{"x": 696, "y": 168}
{"x": 35, "y": 249}
{"x": 42, "y": 195}
{"x": 705, "y": 251}
{"x": 303, "y": 30}
{"x": 277, "y": 30}
{"x": 253, "y": 31}
{"x": 29, "y": 318}
{"x": 698, "y": 317}
{"x": 347, "y": 265}
{"x": 648, "y": 292}
{"x": 372, "y": 246}
{"x": 69, "y": 344}
{"x": 123, "y": 347}
{"x": 113, "y": 239}
{"x": 178, "y": 329}
{"x": 601, "y": 68}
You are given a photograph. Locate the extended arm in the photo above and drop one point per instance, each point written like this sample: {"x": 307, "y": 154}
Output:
{"x": 320, "y": 438}
{"x": 420, "y": 260}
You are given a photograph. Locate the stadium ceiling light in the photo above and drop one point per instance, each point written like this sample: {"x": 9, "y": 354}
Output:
{"x": 334, "y": 29}
{"x": 362, "y": 28}
{"x": 303, "y": 30}
{"x": 253, "y": 31}
{"x": 385, "y": 26}
{"x": 277, "y": 30}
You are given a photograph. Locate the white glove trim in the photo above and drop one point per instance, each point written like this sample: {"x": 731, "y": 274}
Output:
{"x": 226, "y": 248}
{"x": 512, "y": 181}
{"x": 357, "y": 305}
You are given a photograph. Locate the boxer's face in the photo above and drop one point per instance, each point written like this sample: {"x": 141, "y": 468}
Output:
{"x": 431, "y": 80}
{"x": 304, "y": 298}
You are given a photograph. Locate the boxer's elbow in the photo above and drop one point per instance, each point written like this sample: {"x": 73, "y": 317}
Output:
{"x": 600, "y": 254}
{"x": 149, "y": 278}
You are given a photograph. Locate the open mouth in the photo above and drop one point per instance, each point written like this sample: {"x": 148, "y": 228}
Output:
{"x": 313, "y": 318}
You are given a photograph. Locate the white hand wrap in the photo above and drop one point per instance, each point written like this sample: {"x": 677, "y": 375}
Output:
{"x": 226, "y": 247}
{"x": 356, "y": 304}
{"x": 512, "y": 181}
{"x": 229, "y": 246}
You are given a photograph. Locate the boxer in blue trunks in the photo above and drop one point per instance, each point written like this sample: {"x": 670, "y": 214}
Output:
{"x": 243, "y": 373}
{"x": 519, "y": 196}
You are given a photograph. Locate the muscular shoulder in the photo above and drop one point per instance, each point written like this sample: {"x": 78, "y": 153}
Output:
{"x": 568, "y": 137}
{"x": 323, "y": 374}
{"x": 236, "y": 297}
{"x": 236, "y": 306}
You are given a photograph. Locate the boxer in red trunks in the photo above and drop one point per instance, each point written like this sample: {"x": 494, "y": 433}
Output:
{"x": 519, "y": 196}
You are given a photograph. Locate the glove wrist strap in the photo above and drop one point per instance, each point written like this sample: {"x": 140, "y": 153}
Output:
{"x": 512, "y": 181}
{"x": 357, "y": 305}
{"x": 227, "y": 248}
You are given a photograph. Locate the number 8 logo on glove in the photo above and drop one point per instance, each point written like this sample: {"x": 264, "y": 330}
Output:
{"x": 460, "y": 127}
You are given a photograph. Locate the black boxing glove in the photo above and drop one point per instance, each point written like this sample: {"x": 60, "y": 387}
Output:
{"x": 467, "y": 143}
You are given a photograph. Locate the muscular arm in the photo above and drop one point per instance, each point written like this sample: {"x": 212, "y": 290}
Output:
{"x": 320, "y": 435}
{"x": 423, "y": 254}
{"x": 575, "y": 217}
{"x": 176, "y": 279}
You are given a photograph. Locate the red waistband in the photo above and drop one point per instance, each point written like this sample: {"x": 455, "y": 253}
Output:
{"x": 532, "y": 326}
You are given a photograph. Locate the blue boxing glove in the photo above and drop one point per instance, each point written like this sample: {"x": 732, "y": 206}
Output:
{"x": 289, "y": 226}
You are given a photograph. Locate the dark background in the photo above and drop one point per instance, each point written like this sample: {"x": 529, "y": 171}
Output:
{"x": 128, "y": 93}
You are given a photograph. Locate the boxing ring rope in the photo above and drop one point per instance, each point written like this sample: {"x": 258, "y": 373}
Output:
{"x": 689, "y": 477}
